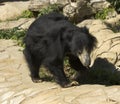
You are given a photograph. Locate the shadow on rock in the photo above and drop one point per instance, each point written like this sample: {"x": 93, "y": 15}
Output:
{"x": 102, "y": 72}
{"x": 114, "y": 27}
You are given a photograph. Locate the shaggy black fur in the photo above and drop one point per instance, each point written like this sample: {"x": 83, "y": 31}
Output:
{"x": 49, "y": 39}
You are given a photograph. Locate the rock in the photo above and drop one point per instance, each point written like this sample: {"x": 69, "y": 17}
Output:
{"x": 11, "y": 10}
{"x": 99, "y": 4}
{"x": 7, "y": 95}
{"x": 63, "y": 2}
{"x": 108, "y": 46}
{"x": 76, "y": 10}
{"x": 17, "y": 99}
{"x": 114, "y": 23}
{"x": 16, "y": 86}
{"x": 36, "y": 5}
{"x": 22, "y": 23}
{"x": 84, "y": 9}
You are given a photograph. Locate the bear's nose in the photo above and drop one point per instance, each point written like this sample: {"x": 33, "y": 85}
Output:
{"x": 87, "y": 62}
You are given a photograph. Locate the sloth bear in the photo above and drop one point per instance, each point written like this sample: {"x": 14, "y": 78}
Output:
{"x": 49, "y": 39}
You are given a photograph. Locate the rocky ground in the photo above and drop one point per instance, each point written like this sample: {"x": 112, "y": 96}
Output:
{"x": 16, "y": 86}
{"x": 10, "y": 10}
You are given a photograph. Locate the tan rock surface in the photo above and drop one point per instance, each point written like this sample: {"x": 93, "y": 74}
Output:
{"x": 16, "y": 86}
{"x": 108, "y": 42}
{"x": 23, "y": 23}
{"x": 10, "y": 10}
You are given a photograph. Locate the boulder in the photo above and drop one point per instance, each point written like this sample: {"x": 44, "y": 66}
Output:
{"x": 10, "y": 10}
{"x": 79, "y": 10}
{"x": 22, "y": 23}
{"x": 76, "y": 10}
{"x": 36, "y": 5}
{"x": 108, "y": 46}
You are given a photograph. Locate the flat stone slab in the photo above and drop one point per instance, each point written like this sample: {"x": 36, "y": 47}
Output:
{"x": 12, "y": 9}
{"x": 16, "y": 86}
{"x": 22, "y": 23}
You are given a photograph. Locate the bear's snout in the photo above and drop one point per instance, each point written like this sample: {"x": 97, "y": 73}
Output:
{"x": 85, "y": 58}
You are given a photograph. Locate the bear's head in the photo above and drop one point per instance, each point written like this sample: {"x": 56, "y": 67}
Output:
{"x": 82, "y": 44}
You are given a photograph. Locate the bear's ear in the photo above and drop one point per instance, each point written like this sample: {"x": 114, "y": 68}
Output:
{"x": 92, "y": 40}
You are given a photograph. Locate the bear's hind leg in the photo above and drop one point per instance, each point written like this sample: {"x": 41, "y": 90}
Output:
{"x": 33, "y": 65}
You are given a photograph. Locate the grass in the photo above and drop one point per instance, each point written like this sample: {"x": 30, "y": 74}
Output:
{"x": 26, "y": 14}
{"x": 102, "y": 14}
{"x": 48, "y": 9}
{"x": 14, "y": 34}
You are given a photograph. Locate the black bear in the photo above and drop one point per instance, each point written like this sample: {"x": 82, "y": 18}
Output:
{"x": 49, "y": 39}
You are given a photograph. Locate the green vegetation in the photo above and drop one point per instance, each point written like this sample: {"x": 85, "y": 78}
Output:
{"x": 48, "y": 9}
{"x": 104, "y": 13}
{"x": 26, "y": 14}
{"x": 15, "y": 34}
{"x": 115, "y": 4}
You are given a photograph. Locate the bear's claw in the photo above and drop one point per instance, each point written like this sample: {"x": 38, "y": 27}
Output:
{"x": 36, "y": 80}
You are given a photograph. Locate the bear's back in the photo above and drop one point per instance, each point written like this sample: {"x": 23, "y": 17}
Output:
{"x": 48, "y": 24}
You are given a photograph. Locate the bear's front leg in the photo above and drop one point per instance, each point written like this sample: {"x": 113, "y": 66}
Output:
{"x": 57, "y": 70}
{"x": 59, "y": 76}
